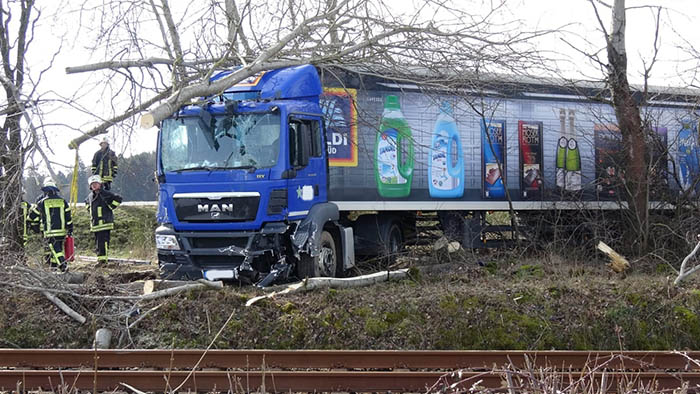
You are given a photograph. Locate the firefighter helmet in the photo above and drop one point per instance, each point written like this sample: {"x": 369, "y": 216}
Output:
{"x": 49, "y": 185}
{"x": 93, "y": 179}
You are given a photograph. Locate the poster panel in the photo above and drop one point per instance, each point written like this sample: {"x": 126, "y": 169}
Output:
{"x": 340, "y": 115}
{"x": 658, "y": 163}
{"x": 608, "y": 161}
{"x": 530, "y": 141}
{"x": 493, "y": 164}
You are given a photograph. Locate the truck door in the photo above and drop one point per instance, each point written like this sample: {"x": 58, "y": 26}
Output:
{"x": 308, "y": 162}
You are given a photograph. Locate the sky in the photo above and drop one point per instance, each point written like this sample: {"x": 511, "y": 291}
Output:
{"x": 679, "y": 21}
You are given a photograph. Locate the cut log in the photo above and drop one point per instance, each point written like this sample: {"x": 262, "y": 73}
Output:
{"x": 617, "y": 262}
{"x": 440, "y": 244}
{"x": 147, "y": 121}
{"x": 65, "y": 308}
{"x": 115, "y": 260}
{"x": 453, "y": 247}
{"x": 201, "y": 284}
{"x": 151, "y": 285}
{"x": 74, "y": 278}
{"x": 335, "y": 283}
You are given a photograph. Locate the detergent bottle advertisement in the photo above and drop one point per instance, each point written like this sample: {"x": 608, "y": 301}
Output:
{"x": 393, "y": 152}
{"x": 446, "y": 172}
{"x": 573, "y": 159}
{"x": 568, "y": 176}
{"x": 530, "y": 140}
{"x": 493, "y": 148}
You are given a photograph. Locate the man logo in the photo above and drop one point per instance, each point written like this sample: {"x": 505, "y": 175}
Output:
{"x": 214, "y": 208}
{"x": 215, "y": 215}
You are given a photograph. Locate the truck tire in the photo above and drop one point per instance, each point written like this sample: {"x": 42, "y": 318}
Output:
{"x": 325, "y": 263}
{"x": 393, "y": 241}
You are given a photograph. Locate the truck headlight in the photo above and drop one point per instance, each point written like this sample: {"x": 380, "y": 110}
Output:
{"x": 167, "y": 242}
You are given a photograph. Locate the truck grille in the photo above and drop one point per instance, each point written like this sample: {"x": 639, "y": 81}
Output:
{"x": 231, "y": 209}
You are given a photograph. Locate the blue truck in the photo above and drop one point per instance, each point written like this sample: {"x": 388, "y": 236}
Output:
{"x": 243, "y": 185}
{"x": 280, "y": 176}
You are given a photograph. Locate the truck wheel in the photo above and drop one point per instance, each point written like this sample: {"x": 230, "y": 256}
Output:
{"x": 393, "y": 243}
{"x": 323, "y": 264}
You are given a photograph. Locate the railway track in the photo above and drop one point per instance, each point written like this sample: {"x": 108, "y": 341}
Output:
{"x": 349, "y": 371}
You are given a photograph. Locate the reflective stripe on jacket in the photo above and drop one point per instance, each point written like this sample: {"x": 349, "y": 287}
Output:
{"x": 101, "y": 204}
{"x": 104, "y": 164}
{"x": 53, "y": 215}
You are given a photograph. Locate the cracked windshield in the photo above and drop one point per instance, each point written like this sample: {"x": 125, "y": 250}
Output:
{"x": 247, "y": 141}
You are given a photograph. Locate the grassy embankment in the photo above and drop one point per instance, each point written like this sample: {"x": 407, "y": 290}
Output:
{"x": 502, "y": 300}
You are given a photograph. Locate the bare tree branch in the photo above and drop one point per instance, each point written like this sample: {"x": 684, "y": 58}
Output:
{"x": 341, "y": 33}
{"x": 102, "y": 128}
{"x": 683, "y": 272}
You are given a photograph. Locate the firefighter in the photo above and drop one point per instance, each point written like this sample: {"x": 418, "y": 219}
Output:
{"x": 101, "y": 203}
{"x": 51, "y": 215}
{"x": 104, "y": 164}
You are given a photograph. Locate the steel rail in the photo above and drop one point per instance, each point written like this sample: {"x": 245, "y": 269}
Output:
{"x": 347, "y": 359}
{"x": 276, "y": 381}
{"x": 336, "y": 370}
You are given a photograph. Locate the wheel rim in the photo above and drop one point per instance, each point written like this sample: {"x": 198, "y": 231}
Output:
{"x": 326, "y": 261}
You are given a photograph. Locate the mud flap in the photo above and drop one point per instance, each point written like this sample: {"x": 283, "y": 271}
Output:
{"x": 307, "y": 236}
{"x": 348, "y": 245}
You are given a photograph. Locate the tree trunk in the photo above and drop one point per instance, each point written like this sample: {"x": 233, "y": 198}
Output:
{"x": 11, "y": 181}
{"x": 12, "y": 52}
{"x": 631, "y": 128}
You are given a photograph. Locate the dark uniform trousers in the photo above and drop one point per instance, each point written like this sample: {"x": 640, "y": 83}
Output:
{"x": 101, "y": 204}
{"x": 102, "y": 245}
{"x": 54, "y": 255}
{"x": 52, "y": 216}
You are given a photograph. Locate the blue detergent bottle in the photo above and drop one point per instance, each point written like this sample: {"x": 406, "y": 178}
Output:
{"x": 445, "y": 174}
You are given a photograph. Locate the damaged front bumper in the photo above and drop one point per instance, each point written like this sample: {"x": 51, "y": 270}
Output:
{"x": 256, "y": 257}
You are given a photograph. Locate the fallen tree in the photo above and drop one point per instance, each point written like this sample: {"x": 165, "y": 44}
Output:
{"x": 334, "y": 283}
{"x": 684, "y": 271}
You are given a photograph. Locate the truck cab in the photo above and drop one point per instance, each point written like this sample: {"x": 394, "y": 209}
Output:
{"x": 243, "y": 181}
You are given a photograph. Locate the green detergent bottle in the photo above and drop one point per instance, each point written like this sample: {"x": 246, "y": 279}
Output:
{"x": 573, "y": 166}
{"x": 393, "y": 152}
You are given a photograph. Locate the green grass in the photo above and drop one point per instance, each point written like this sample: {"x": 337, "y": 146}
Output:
{"x": 546, "y": 301}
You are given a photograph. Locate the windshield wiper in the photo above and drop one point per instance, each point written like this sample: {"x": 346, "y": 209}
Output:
{"x": 197, "y": 168}
{"x": 212, "y": 168}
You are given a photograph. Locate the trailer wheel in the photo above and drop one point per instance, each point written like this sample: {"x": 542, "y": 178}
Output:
{"x": 393, "y": 243}
{"x": 325, "y": 263}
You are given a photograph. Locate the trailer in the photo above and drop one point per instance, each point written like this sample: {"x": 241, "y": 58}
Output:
{"x": 285, "y": 176}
